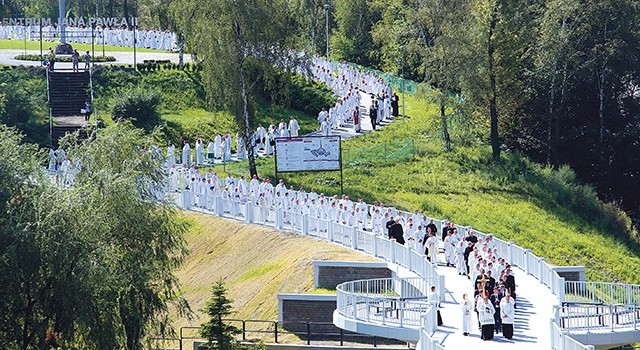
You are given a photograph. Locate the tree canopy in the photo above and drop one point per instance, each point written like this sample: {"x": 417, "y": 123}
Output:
{"x": 91, "y": 264}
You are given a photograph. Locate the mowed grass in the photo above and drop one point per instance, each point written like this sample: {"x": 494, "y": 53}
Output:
{"x": 256, "y": 263}
{"x": 6, "y": 44}
{"x": 538, "y": 208}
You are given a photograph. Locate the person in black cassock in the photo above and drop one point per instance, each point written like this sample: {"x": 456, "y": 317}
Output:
{"x": 510, "y": 283}
{"x": 433, "y": 227}
{"x": 388, "y": 225}
{"x": 373, "y": 114}
{"x": 394, "y": 105}
{"x": 397, "y": 232}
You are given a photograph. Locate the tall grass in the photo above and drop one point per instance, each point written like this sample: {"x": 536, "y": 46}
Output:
{"x": 544, "y": 209}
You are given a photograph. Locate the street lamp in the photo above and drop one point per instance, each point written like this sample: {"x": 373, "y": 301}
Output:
{"x": 402, "y": 78}
{"x": 326, "y": 14}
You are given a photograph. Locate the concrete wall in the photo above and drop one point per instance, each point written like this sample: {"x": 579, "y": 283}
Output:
{"x": 329, "y": 274}
{"x": 571, "y": 273}
{"x": 295, "y": 310}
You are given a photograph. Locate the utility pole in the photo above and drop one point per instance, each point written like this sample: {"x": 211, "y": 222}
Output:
{"x": 402, "y": 77}
{"x": 326, "y": 13}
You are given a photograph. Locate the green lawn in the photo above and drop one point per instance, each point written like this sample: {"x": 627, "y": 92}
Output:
{"x": 538, "y": 208}
{"x": 35, "y": 45}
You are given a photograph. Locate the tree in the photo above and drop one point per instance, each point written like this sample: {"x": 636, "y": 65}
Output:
{"x": 220, "y": 335}
{"x": 497, "y": 59}
{"x": 92, "y": 262}
{"x": 351, "y": 41}
{"x": 245, "y": 39}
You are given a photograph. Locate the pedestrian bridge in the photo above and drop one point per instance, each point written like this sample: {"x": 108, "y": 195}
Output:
{"x": 551, "y": 313}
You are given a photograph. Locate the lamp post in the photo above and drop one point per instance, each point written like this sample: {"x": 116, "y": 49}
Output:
{"x": 402, "y": 77}
{"x": 326, "y": 14}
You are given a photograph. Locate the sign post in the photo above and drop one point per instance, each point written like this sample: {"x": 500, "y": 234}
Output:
{"x": 309, "y": 154}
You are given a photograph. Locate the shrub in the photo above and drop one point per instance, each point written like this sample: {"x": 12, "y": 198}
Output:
{"x": 64, "y": 58}
{"x": 138, "y": 104}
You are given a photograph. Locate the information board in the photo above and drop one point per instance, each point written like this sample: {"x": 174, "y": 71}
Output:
{"x": 311, "y": 153}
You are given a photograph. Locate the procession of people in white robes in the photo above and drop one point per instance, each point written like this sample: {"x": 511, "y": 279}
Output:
{"x": 99, "y": 35}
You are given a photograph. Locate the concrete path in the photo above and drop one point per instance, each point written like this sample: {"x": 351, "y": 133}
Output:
{"x": 533, "y": 314}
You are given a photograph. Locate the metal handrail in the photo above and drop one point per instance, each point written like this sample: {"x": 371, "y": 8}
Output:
{"x": 387, "y": 249}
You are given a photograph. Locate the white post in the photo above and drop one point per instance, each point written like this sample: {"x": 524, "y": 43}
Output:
{"x": 305, "y": 224}
{"x": 248, "y": 212}
{"x": 354, "y": 238}
{"x": 527, "y": 252}
{"x": 279, "y": 218}
{"x": 375, "y": 245}
{"x": 184, "y": 200}
{"x": 392, "y": 255}
{"x": 510, "y": 252}
{"x": 330, "y": 230}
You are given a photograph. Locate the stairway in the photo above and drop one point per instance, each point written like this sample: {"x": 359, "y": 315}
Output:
{"x": 68, "y": 92}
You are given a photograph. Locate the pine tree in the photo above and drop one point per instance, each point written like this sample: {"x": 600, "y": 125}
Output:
{"x": 219, "y": 334}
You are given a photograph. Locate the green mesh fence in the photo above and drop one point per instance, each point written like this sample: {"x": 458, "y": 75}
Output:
{"x": 410, "y": 86}
{"x": 386, "y": 152}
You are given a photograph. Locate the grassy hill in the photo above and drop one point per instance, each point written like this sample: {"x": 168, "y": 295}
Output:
{"x": 255, "y": 262}
{"x": 543, "y": 209}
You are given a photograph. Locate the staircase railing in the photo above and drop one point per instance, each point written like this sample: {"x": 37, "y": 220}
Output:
{"x": 95, "y": 110}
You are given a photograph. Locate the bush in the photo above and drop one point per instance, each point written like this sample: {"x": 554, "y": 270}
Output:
{"x": 138, "y": 104}
{"x": 64, "y": 58}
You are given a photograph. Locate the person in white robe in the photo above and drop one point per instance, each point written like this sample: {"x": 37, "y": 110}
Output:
{"x": 486, "y": 313}
{"x": 268, "y": 147}
{"x": 186, "y": 154}
{"x": 450, "y": 243}
{"x": 460, "y": 263}
{"x": 254, "y": 189}
{"x": 243, "y": 188}
{"x": 434, "y": 299}
{"x": 431, "y": 247}
{"x": 467, "y": 308}
{"x": 217, "y": 141}
{"x": 507, "y": 315}
{"x": 52, "y": 159}
{"x": 321, "y": 116}
{"x": 199, "y": 151}
{"x": 202, "y": 193}
{"x": 326, "y": 127}
{"x": 171, "y": 154}
{"x": 173, "y": 179}
{"x": 294, "y": 127}
{"x": 262, "y": 134}
{"x": 227, "y": 147}
{"x": 211, "y": 152}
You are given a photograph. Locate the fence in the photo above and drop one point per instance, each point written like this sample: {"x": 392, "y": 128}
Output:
{"x": 274, "y": 331}
{"x": 385, "y": 152}
{"x": 568, "y": 318}
{"x": 592, "y": 318}
{"x": 387, "y": 301}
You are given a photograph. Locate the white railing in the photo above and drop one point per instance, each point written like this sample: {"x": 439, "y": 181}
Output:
{"x": 348, "y": 236}
{"x": 569, "y": 318}
{"x": 601, "y": 293}
{"x": 593, "y": 318}
{"x": 562, "y": 341}
{"x": 387, "y": 301}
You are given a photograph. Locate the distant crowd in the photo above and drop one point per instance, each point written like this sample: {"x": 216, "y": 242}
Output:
{"x": 144, "y": 38}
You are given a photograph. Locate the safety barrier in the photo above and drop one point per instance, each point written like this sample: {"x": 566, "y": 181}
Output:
{"x": 387, "y": 301}
{"x": 617, "y": 304}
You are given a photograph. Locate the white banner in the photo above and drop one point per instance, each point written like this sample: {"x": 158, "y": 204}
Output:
{"x": 312, "y": 153}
